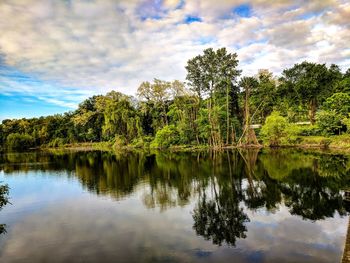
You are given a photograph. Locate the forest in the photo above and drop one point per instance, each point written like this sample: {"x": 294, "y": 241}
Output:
{"x": 216, "y": 107}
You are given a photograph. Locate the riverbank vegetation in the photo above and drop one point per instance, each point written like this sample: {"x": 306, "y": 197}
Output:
{"x": 217, "y": 107}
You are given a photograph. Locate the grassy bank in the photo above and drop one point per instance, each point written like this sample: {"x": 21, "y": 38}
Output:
{"x": 336, "y": 142}
{"x": 339, "y": 143}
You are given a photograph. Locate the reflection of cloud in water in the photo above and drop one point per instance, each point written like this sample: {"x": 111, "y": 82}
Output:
{"x": 91, "y": 229}
{"x": 284, "y": 237}
{"x": 104, "y": 207}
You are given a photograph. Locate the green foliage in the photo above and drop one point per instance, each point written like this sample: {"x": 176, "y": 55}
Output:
{"x": 304, "y": 130}
{"x": 57, "y": 142}
{"x": 333, "y": 118}
{"x": 263, "y": 95}
{"x": 212, "y": 71}
{"x": 339, "y": 103}
{"x": 325, "y": 143}
{"x": 16, "y": 141}
{"x": 329, "y": 122}
{"x": 274, "y": 129}
{"x": 166, "y": 137}
{"x": 309, "y": 84}
{"x": 346, "y": 122}
{"x": 4, "y": 192}
{"x": 119, "y": 141}
{"x": 142, "y": 142}
{"x": 214, "y": 110}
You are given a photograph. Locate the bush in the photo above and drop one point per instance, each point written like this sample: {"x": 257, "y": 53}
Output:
{"x": 325, "y": 143}
{"x": 142, "y": 142}
{"x": 346, "y": 122}
{"x": 309, "y": 130}
{"x": 57, "y": 142}
{"x": 119, "y": 141}
{"x": 339, "y": 103}
{"x": 329, "y": 122}
{"x": 166, "y": 137}
{"x": 17, "y": 141}
{"x": 274, "y": 129}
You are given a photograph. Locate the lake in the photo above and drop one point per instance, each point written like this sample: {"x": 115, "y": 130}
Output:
{"x": 229, "y": 206}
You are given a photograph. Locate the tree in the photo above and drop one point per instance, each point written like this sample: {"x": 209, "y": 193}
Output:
{"x": 263, "y": 96}
{"x": 18, "y": 141}
{"x": 120, "y": 117}
{"x": 166, "y": 137}
{"x": 212, "y": 75}
{"x": 332, "y": 119}
{"x": 156, "y": 94}
{"x": 183, "y": 113}
{"x": 88, "y": 120}
{"x": 274, "y": 129}
{"x": 338, "y": 102}
{"x": 4, "y": 192}
{"x": 248, "y": 83}
{"x": 309, "y": 83}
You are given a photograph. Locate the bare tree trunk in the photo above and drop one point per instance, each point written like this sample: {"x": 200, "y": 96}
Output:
{"x": 227, "y": 116}
{"x": 249, "y": 133}
{"x": 233, "y": 134}
{"x": 247, "y": 91}
{"x": 312, "y": 110}
{"x": 165, "y": 116}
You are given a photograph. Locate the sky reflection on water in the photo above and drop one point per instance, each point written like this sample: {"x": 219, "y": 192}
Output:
{"x": 161, "y": 208}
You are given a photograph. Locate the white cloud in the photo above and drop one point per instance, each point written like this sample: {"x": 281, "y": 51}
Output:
{"x": 96, "y": 46}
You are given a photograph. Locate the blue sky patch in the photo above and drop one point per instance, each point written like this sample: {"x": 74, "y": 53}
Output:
{"x": 205, "y": 40}
{"x": 23, "y": 95}
{"x": 243, "y": 10}
{"x": 191, "y": 19}
{"x": 16, "y": 105}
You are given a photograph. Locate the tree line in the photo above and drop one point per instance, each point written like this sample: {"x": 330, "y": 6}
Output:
{"x": 214, "y": 107}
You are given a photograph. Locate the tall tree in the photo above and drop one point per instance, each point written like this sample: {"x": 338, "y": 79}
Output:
{"x": 211, "y": 76}
{"x": 156, "y": 94}
{"x": 248, "y": 84}
{"x": 310, "y": 83}
{"x": 263, "y": 95}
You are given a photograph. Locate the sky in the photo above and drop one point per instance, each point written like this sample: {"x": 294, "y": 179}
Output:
{"x": 56, "y": 53}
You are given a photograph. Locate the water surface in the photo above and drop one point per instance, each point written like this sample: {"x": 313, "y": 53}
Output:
{"x": 233, "y": 206}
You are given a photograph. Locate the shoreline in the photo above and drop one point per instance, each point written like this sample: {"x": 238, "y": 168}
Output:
{"x": 335, "y": 144}
{"x": 185, "y": 148}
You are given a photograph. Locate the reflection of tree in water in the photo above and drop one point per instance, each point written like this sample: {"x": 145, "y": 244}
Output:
{"x": 219, "y": 219}
{"x": 312, "y": 196}
{"x": 218, "y": 215}
{"x": 311, "y": 188}
{"x": 4, "y": 191}
{"x": 309, "y": 184}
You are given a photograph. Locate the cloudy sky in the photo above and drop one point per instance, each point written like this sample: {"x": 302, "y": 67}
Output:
{"x": 55, "y": 53}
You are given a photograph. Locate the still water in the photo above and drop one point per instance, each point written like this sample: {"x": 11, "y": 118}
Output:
{"x": 232, "y": 206}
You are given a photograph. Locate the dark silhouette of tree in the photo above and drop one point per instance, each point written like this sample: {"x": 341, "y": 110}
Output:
{"x": 4, "y": 191}
{"x": 219, "y": 217}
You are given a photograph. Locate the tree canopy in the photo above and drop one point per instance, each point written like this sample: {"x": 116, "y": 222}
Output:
{"x": 215, "y": 107}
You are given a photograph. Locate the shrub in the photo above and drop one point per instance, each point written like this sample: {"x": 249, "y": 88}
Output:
{"x": 346, "y": 122}
{"x": 274, "y": 129}
{"x": 137, "y": 143}
{"x": 336, "y": 109}
{"x": 119, "y": 141}
{"x": 309, "y": 130}
{"x": 17, "y": 141}
{"x": 329, "y": 122}
{"x": 338, "y": 102}
{"x": 325, "y": 143}
{"x": 166, "y": 137}
{"x": 57, "y": 142}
